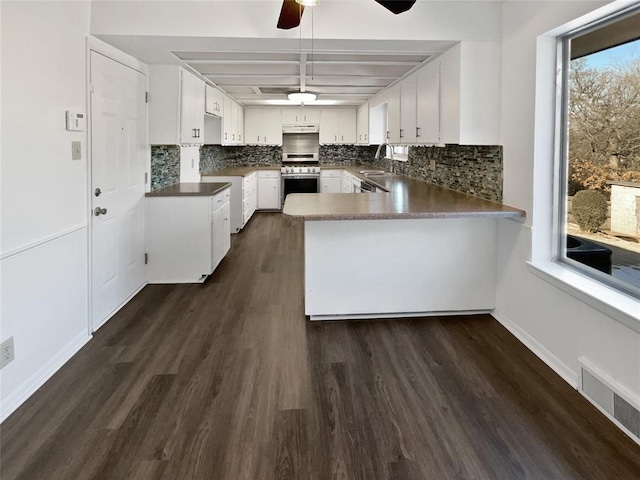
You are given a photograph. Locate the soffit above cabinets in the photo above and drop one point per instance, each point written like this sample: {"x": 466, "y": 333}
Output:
{"x": 262, "y": 71}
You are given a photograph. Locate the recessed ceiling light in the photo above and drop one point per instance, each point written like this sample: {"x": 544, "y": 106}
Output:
{"x": 308, "y": 3}
{"x": 302, "y": 97}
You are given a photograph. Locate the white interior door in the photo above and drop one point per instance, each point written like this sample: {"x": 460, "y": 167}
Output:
{"x": 118, "y": 148}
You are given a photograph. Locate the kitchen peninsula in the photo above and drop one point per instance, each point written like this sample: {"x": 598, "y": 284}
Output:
{"x": 419, "y": 249}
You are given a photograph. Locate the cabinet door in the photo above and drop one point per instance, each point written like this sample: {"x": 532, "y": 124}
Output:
{"x": 191, "y": 109}
{"x": 290, "y": 116}
{"x": 272, "y": 126}
{"x": 239, "y": 124}
{"x": 253, "y": 126}
{"x": 408, "y": 109}
{"x": 347, "y": 126}
{"x": 330, "y": 185}
{"x": 268, "y": 194}
{"x": 428, "y": 103}
{"x": 393, "y": 115}
{"x": 450, "y": 96}
{"x": 362, "y": 124}
{"x": 227, "y": 121}
{"x": 309, "y": 116}
{"x": 329, "y": 126}
{"x": 213, "y": 101}
{"x": 220, "y": 234}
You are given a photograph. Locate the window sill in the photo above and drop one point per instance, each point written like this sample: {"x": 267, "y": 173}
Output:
{"x": 620, "y": 307}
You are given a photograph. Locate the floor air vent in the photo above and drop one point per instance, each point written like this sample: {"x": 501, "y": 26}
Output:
{"x": 608, "y": 400}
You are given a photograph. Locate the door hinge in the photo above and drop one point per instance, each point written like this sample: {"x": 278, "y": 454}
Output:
{"x": 146, "y": 258}
{"x": 146, "y": 97}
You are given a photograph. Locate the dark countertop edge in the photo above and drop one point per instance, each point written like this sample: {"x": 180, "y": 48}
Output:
{"x": 326, "y": 217}
{"x": 205, "y": 190}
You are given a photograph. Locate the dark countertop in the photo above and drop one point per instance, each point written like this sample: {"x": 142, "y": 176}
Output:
{"x": 189, "y": 190}
{"x": 239, "y": 171}
{"x": 406, "y": 198}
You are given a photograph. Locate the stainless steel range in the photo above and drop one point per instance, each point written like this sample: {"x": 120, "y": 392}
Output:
{"x": 300, "y": 164}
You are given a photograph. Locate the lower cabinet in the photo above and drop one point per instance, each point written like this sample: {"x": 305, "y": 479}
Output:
{"x": 187, "y": 237}
{"x": 330, "y": 181}
{"x": 249, "y": 196}
{"x": 269, "y": 190}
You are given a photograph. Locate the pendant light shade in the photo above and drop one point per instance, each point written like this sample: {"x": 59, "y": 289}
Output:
{"x": 302, "y": 97}
{"x": 308, "y": 3}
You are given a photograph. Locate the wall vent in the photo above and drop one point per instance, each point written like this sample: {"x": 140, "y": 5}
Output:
{"x": 604, "y": 396}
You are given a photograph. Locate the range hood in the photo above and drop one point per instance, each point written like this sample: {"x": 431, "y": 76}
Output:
{"x": 300, "y": 128}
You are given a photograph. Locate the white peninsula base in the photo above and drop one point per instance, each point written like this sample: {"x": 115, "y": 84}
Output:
{"x": 400, "y": 268}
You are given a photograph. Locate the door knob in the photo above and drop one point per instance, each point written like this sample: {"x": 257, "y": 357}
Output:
{"x": 99, "y": 211}
{"x": 97, "y": 192}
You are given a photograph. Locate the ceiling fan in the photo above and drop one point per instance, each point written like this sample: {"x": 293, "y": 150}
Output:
{"x": 292, "y": 10}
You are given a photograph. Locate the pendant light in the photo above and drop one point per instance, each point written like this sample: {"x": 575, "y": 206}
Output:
{"x": 303, "y": 97}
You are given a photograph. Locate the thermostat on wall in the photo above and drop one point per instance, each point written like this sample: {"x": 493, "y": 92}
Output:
{"x": 75, "y": 121}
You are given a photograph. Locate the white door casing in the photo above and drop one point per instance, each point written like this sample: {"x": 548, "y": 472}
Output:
{"x": 118, "y": 149}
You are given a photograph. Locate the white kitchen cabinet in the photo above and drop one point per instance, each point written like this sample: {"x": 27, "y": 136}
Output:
{"x": 249, "y": 196}
{"x": 470, "y": 94}
{"x": 232, "y": 122}
{"x": 300, "y": 116}
{"x": 337, "y": 126}
{"x": 269, "y": 197}
{"x": 331, "y": 181}
{"x": 187, "y": 237}
{"x": 214, "y": 101}
{"x": 362, "y": 124}
{"x": 393, "y": 114}
{"x": 408, "y": 112}
{"x": 236, "y": 198}
{"x": 349, "y": 183}
{"x": 428, "y": 104}
{"x": 263, "y": 126}
{"x": 176, "y": 106}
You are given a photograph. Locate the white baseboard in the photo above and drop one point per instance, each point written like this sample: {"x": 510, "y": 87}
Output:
{"x": 374, "y": 316}
{"x": 558, "y": 366}
{"x": 29, "y": 387}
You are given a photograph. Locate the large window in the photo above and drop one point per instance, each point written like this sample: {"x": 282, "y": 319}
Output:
{"x": 599, "y": 221}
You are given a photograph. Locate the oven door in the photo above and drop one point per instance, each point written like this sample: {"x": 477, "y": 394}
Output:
{"x": 299, "y": 184}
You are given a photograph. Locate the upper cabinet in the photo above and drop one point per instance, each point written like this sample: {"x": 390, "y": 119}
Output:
{"x": 453, "y": 99}
{"x": 214, "y": 101}
{"x": 408, "y": 109}
{"x": 362, "y": 124}
{"x": 428, "y": 104}
{"x": 176, "y": 106}
{"x": 232, "y": 122}
{"x": 300, "y": 116}
{"x": 470, "y": 94}
{"x": 263, "y": 126}
{"x": 338, "y": 126}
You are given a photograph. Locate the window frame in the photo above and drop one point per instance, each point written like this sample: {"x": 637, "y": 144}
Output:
{"x": 561, "y": 160}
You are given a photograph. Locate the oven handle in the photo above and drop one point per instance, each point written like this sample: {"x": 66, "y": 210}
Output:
{"x": 299, "y": 177}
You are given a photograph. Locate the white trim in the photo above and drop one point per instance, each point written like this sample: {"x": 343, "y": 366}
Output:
{"x": 607, "y": 300}
{"x": 97, "y": 45}
{"x": 32, "y": 384}
{"x": 557, "y": 365}
{"x": 374, "y": 316}
{"x": 38, "y": 243}
{"x": 117, "y": 309}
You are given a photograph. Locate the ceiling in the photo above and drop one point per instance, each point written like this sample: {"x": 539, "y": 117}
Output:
{"x": 262, "y": 71}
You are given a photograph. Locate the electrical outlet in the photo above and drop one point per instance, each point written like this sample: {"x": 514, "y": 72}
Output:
{"x": 76, "y": 150}
{"x": 6, "y": 352}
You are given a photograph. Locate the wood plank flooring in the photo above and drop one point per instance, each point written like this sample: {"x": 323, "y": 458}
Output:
{"x": 228, "y": 380}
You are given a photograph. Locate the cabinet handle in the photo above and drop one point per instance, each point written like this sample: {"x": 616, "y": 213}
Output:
{"x": 401, "y": 133}
{"x": 342, "y": 137}
{"x": 233, "y": 136}
{"x": 335, "y": 138}
{"x": 417, "y": 132}
{"x": 388, "y": 134}
{"x": 365, "y": 137}
{"x": 225, "y": 135}
{"x": 265, "y": 139}
{"x": 258, "y": 138}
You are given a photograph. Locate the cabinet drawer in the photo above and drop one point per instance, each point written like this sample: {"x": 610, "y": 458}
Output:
{"x": 268, "y": 174}
{"x": 330, "y": 173}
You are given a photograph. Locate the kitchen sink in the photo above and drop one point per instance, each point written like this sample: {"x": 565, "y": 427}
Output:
{"x": 373, "y": 173}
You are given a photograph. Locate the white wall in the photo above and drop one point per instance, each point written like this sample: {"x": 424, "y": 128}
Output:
{"x": 333, "y": 19}
{"x": 44, "y": 213}
{"x": 558, "y": 326}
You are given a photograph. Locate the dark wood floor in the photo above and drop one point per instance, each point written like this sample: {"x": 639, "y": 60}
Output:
{"x": 228, "y": 380}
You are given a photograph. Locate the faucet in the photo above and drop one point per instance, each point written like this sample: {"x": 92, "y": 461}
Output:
{"x": 385, "y": 145}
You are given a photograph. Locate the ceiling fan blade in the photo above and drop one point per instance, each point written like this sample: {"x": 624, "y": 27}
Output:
{"x": 290, "y": 14}
{"x": 396, "y": 6}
